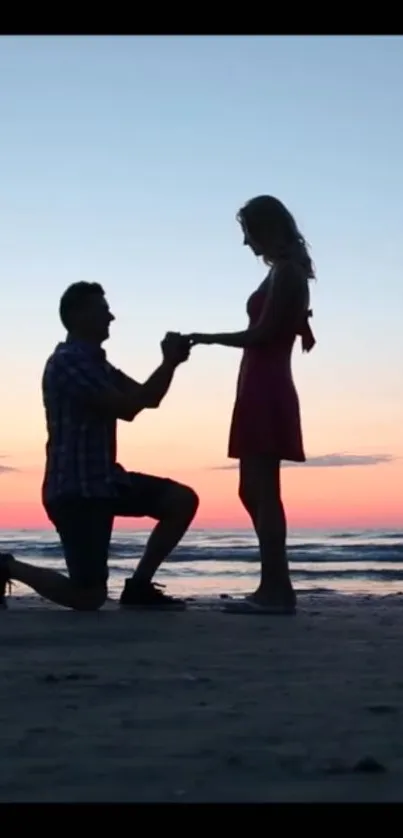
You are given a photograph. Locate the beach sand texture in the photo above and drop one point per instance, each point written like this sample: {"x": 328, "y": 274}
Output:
{"x": 203, "y": 706}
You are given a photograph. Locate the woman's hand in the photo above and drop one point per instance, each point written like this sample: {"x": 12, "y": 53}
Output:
{"x": 199, "y": 338}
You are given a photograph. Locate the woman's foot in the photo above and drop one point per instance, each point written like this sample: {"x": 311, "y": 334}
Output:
{"x": 249, "y": 606}
{"x": 281, "y": 602}
{"x": 281, "y": 595}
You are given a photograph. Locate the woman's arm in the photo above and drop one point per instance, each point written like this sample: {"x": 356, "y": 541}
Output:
{"x": 283, "y": 305}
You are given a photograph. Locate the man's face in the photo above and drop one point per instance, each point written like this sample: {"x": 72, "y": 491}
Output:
{"x": 96, "y": 318}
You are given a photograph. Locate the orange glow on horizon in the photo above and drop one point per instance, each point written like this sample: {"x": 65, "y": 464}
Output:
{"x": 314, "y": 497}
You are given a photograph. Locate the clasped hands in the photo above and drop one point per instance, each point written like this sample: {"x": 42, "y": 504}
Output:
{"x": 176, "y": 347}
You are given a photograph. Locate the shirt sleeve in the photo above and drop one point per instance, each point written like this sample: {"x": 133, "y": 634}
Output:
{"x": 120, "y": 380}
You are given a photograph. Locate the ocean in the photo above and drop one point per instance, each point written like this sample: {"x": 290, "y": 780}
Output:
{"x": 213, "y": 562}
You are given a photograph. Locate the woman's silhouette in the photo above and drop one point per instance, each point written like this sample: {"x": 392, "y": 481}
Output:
{"x": 266, "y": 424}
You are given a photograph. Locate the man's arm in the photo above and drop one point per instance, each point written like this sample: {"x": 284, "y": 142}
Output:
{"x": 152, "y": 391}
{"x": 175, "y": 351}
{"x": 84, "y": 379}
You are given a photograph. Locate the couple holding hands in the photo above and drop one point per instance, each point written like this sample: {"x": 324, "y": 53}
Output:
{"x": 84, "y": 488}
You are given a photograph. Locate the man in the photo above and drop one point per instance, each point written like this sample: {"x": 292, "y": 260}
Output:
{"x": 84, "y": 488}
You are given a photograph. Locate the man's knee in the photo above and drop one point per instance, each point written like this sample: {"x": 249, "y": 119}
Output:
{"x": 182, "y": 499}
{"x": 89, "y": 599}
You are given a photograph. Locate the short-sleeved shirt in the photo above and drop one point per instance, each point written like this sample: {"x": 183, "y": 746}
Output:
{"x": 81, "y": 444}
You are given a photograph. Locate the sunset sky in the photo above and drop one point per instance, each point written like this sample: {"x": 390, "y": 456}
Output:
{"x": 125, "y": 160}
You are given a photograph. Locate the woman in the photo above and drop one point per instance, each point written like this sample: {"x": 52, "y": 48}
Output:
{"x": 266, "y": 425}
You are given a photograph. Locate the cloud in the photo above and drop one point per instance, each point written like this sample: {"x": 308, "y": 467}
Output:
{"x": 329, "y": 461}
{"x": 6, "y": 469}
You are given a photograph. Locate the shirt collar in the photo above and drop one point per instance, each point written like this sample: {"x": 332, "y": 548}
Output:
{"x": 84, "y": 346}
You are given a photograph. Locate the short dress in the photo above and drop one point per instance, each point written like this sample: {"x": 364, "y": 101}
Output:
{"x": 266, "y": 418}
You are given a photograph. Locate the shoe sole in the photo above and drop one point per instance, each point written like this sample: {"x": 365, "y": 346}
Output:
{"x": 166, "y": 607}
{"x": 5, "y": 582}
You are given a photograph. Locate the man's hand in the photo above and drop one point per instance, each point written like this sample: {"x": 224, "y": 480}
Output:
{"x": 175, "y": 348}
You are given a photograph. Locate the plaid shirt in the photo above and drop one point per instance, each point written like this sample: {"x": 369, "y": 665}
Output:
{"x": 81, "y": 446}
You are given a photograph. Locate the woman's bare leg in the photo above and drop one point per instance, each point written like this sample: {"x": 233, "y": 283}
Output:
{"x": 268, "y": 515}
{"x": 247, "y": 490}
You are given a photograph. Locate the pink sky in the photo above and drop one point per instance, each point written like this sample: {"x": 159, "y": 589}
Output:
{"x": 357, "y": 496}
{"x": 187, "y": 439}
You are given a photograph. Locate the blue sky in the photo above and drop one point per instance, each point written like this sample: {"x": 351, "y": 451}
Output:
{"x": 124, "y": 160}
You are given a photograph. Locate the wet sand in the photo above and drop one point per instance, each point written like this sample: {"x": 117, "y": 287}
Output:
{"x": 203, "y": 706}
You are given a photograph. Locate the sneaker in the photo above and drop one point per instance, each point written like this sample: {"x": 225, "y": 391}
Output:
{"x": 5, "y": 581}
{"x": 138, "y": 594}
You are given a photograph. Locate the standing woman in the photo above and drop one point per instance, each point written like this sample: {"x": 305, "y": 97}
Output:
{"x": 266, "y": 423}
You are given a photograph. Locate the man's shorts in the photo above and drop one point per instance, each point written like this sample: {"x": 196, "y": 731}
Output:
{"x": 85, "y": 525}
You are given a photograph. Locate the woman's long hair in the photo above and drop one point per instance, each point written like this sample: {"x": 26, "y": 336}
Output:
{"x": 270, "y": 225}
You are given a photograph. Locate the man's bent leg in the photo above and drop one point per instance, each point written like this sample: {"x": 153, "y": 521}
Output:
{"x": 176, "y": 510}
{"x": 85, "y": 529}
{"x": 174, "y": 506}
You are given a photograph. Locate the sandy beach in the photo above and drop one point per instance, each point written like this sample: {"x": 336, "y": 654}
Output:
{"x": 203, "y": 706}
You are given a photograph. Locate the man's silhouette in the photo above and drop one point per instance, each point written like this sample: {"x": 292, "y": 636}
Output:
{"x": 84, "y": 488}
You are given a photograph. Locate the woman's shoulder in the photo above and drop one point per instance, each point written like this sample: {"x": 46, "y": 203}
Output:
{"x": 291, "y": 274}
{"x": 291, "y": 280}
{"x": 289, "y": 267}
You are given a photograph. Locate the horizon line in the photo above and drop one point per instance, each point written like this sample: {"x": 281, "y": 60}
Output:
{"x": 337, "y": 528}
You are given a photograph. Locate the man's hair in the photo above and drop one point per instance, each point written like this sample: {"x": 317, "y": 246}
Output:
{"x": 75, "y": 297}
